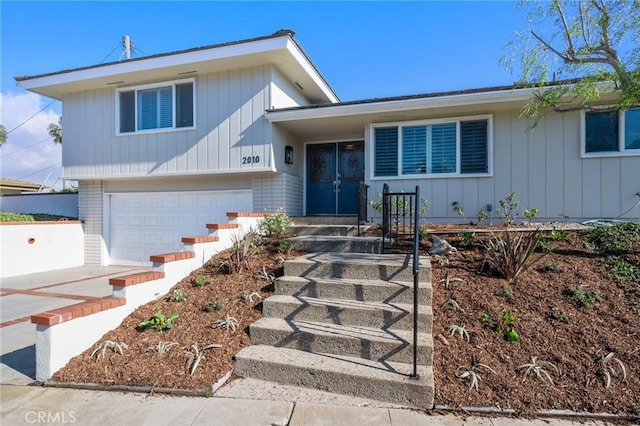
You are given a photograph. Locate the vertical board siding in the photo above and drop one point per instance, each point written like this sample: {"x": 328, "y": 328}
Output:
{"x": 273, "y": 192}
{"x": 229, "y": 122}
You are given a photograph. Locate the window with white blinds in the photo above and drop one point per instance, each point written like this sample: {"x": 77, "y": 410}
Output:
{"x": 437, "y": 148}
{"x": 156, "y": 107}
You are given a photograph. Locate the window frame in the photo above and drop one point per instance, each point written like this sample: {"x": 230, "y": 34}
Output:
{"x": 426, "y": 122}
{"x": 622, "y": 150}
{"x": 135, "y": 89}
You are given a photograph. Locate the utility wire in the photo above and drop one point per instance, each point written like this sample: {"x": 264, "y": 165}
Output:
{"x": 29, "y": 119}
{"x": 110, "y": 53}
{"x": 25, "y": 147}
{"x": 38, "y": 171}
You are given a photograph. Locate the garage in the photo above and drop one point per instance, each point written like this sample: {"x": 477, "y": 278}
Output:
{"x": 143, "y": 224}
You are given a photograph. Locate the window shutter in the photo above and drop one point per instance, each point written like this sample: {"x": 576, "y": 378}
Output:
{"x": 443, "y": 148}
{"x": 127, "y": 111}
{"x": 386, "y": 151}
{"x": 414, "y": 150}
{"x": 184, "y": 105}
{"x": 473, "y": 147}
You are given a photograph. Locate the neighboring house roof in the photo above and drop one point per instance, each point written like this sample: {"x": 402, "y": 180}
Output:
{"x": 280, "y": 49}
{"x": 14, "y": 186}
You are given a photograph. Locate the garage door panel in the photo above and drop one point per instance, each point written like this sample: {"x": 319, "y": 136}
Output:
{"x": 152, "y": 223}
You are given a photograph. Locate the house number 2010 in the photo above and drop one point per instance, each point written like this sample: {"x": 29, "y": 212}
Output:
{"x": 253, "y": 159}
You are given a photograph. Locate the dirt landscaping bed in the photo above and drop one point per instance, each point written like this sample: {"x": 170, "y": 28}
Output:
{"x": 578, "y": 319}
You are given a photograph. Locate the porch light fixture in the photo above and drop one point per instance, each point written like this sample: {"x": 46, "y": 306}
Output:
{"x": 288, "y": 154}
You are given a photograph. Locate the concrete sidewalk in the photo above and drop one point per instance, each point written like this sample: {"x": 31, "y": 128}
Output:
{"x": 25, "y": 405}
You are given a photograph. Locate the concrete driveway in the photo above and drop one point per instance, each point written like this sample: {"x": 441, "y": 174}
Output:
{"x": 26, "y": 295}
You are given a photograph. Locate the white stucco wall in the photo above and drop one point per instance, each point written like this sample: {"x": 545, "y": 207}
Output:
{"x": 31, "y": 247}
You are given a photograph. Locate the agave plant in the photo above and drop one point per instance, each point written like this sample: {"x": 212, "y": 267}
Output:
{"x": 535, "y": 367}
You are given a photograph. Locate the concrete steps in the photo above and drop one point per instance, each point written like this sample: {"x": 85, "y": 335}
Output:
{"x": 325, "y": 230}
{"x": 337, "y": 373}
{"x": 369, "y": 343}
{"x": 341, "y": 321}
{"x": 354, "y": 289}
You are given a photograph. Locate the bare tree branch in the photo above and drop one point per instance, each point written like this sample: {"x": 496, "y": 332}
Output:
{"x": 567, "y": 34}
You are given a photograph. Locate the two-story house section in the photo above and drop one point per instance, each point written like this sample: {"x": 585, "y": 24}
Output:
{"x": 162, "y": 145}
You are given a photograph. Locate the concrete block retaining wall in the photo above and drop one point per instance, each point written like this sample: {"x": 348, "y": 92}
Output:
{"x": 64, "y": 333}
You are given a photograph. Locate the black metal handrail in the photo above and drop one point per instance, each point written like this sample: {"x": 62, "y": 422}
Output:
{"x": 363, "y": 202}
{"x": 401, "y": 217}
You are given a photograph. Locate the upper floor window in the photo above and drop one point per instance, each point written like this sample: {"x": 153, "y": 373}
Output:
{"x": 155, "y": 107}
{"x": 436, "y": 148}
{"x": 611, "y": 133}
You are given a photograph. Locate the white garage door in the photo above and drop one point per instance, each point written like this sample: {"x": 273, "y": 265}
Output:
{"x": 144, "y": 224}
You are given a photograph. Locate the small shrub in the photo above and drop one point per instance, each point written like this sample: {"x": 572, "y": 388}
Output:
{"x": 530, "y": 214}
{"x": 214, "y": 306}
{"x": 467, "y": 239}
{"x": 228, "y": 322}
{"x": 559, "y": 235}
{"x": 274, "y": 225}
{"x": 506, "y": 292}
{"x": 471, "y": 374}
{"x": 196, "y": 355}
{"x": 613, "y": 240}
{"x": 178, "y": 295}
{"x": 508, "y": 209}
{"x": 161, "y": 347}
{"x": 285, "y": 246}
{"x": 460, "y": 330}
{"x": 510, "y": 256}
{"x": 200, "y": 281}
{"x": 535, "y": 367}
{"x": 159, "y": 322}
{"x": 585, "y": 298}
{"x": 481, "y": 216}
{"x": 101, "y": 350}
{"x": 550, "y": 267}
{"x": 609, "y": 370}
{"x": 242, "y": 253}
{"x": 504, "y": 325}
{"x": 620, "y": 270}
{"x": 558, "y": 315}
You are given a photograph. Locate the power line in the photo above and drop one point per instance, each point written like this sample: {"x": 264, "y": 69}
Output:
{"x": 41, "y": 170}
{"x": 25, "y": 147}
{"x": 29, "y": 119}
{"x": 110, "y": 53}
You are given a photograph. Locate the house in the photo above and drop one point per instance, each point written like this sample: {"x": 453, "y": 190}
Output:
{"x": 17, "y": 187}
{"x": 163, "y": 144}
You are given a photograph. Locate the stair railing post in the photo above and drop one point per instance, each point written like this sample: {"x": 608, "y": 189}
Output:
{"x": 385, "y": 214}
{"x": 416, "y": 279}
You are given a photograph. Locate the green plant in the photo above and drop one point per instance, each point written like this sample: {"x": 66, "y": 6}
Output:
{"x": 452, "y": 305}
{"x": 101, "y": 350}
{"x": 609, "y": 370}
{"x": 248, "y": 297}
{"x": 504, "y": 325}
{"x": 196, "y": 355}
{"x": 471, "y": 374}
{"x": 481, "y": 216}
{"x": 508, "y": 209}
{"x": 585, "y": 298}
{"x": 467, "y": 239}
{"x": 449, "y": 279}
{"x": 510, "y": 256}
{"x": 274, "y": 225}
{"x": 228, "y": 322}
{"x": 535, "y": 367}
{"x": 159, "y": 322}
{"x": 200, "y": 281}
{"x": 215, "y": 306}
{"x": 285, "y": 246}
{"x": 266, "y": 276}
{"x": 530, "y": 214}
{"x": 621, "y": 270}
{"x": 550, "y": 267}
{"x": 613, "y": 240}
{"x": 458, "y": 329}
{"x": 241, "y": 253}
{"x": 558, "y": 315}
{"x": 559, "y": 235}
{"x": 161, "y": 347}
{"x": 179, "y": 295}
{"x": 506, "y": 292}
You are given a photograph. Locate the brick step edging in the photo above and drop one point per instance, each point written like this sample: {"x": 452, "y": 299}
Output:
{"x": 68, "y": 313}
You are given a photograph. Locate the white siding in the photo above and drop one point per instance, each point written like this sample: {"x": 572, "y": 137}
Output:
{"x": 90, "y": 211}
{"x": 543, "y": 168}
{"x": 230, "y": 125}
{"x": 284, "y": 93}
{"x": 281, "y": 191}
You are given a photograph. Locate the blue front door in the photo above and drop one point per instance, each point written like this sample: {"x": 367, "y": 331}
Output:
{"x": 334, "y": 172}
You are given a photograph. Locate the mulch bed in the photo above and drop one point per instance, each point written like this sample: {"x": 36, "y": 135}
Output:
{"x": 552, "y": 326}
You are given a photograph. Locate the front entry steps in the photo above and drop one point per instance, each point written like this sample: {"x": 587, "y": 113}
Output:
{"x": 342, "y": 323}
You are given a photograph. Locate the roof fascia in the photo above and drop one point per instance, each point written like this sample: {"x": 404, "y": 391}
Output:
{"x": 304, "y": 61}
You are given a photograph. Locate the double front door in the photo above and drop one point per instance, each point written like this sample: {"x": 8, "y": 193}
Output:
{"x": 334, "y": 172}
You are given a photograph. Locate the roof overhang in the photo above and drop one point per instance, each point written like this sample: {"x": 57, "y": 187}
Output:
{"x": 282, "y": 51}
{"x": 349, "y": 119}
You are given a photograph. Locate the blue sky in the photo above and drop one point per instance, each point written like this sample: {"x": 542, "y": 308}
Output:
{"x": 364, "y": 49}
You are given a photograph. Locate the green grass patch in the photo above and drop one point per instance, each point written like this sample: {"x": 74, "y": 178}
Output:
{"x": 31, "y": 217}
